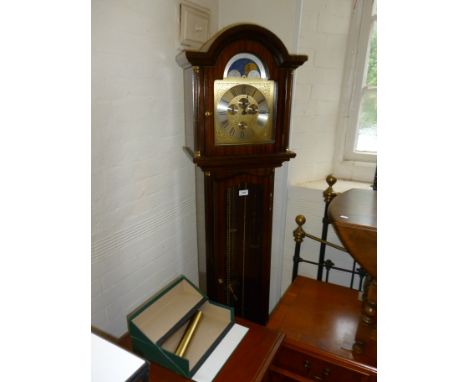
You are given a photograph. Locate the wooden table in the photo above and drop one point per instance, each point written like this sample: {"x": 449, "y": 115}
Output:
{"x": 320, "y": 321}
{"x": 249, "y": 362}
{"x": 354, "y": 216}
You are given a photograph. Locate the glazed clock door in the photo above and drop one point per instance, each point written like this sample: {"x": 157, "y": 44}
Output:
{"x": 242, "y": 240}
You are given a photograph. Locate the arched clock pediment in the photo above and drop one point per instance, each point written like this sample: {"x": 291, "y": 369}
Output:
{"x": 210, "y": 51}
{"x": 204, "y": 67}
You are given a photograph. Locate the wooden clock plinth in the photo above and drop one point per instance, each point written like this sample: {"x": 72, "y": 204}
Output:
{"x": 238, "y": 91}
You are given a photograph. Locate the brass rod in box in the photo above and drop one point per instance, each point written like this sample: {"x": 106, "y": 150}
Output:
{"x": 188, "y": 334}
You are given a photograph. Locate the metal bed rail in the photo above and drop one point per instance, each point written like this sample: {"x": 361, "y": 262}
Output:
{"x": 323, "y": 264}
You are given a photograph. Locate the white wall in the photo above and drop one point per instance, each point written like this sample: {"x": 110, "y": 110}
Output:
{"x": 279, "y": 16}
{"x": 323, "y": 37}
{"x": 143, "y": 204}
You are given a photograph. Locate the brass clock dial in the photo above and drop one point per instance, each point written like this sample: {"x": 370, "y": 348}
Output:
{"x": 244, "y": 111}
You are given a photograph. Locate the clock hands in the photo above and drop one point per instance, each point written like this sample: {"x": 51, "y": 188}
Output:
{"x": 245, "y": 105}
{"x": 247, "y": 108}
{"x": 232, "y": 109}
{"x": 252, "y": 109}
{"x": 243, "y": 112}
{"x": 242, "y": 125}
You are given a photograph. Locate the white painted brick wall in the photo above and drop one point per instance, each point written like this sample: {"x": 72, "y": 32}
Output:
{"x": 143, "y": 187}
{"x": 323, "y": 37}
{"x": 279, "y": 16}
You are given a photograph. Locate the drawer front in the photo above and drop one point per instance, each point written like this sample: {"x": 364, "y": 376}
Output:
{"x": 278, "y": 377}
{"x": 315, "y": 369}
{"x": 291, "y": 360}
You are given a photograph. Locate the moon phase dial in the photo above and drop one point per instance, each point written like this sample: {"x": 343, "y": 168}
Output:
{"x": 244, "y": 111}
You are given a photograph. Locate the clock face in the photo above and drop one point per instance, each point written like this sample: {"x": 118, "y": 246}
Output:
{"x": 244, "y": 111}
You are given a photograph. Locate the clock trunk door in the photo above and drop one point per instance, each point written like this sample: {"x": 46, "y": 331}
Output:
{"x": 242, "y": 240}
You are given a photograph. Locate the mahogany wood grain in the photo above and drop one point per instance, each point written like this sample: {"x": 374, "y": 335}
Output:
{"x": 247, "y": 252}
{"x": 249, "y": 362}
{"x": 354, "y": 216}
{"x": 207, "y": 65}
{"x": 254, "y": 355}
{"x": 322, "y": 319}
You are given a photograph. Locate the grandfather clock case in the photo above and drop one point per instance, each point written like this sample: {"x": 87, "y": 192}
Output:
{"x": 238, "y": 90}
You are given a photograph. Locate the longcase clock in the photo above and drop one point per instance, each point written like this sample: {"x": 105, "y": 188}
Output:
{"x": 238, "y": 91}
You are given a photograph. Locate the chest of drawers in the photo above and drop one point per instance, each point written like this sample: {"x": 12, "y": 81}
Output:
{"x": 319, "y": 321}
{"x": 293, "y": 363}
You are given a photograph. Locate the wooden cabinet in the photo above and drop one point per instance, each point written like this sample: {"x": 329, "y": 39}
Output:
{"x": 320, "y": 322}
{"x": 239, "y": 205}
{"x": 292, "y": 364}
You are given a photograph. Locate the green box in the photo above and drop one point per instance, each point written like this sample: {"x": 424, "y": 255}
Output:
{"x": 157, "y": 326}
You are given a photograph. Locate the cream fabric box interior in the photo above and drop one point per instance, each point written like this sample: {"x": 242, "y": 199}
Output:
{"x": 157, "y": 326}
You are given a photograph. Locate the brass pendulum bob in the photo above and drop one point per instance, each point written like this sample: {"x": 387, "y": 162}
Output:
{"x": 188, "y": 334}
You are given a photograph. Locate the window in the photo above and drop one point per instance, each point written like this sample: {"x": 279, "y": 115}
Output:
{"x": 366, "y": 136}
{"x": 358, "y": 123}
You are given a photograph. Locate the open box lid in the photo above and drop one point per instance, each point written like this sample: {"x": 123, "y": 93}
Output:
{"x": 162, "y": 314}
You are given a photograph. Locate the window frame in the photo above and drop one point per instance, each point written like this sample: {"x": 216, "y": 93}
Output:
{"x": 361, "y": 24}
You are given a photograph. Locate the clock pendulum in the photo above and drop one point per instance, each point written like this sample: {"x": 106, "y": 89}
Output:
{"x": 238, "y": 91}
